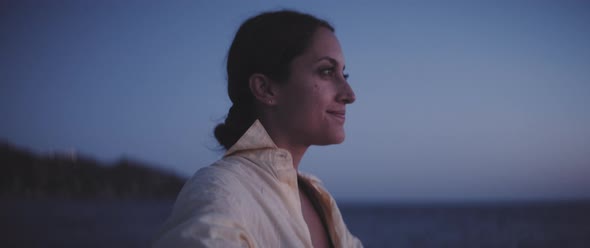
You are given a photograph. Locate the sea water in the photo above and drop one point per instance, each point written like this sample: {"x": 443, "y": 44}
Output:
{"x": 93, "y": 223}
{"x": 471, "y": 225}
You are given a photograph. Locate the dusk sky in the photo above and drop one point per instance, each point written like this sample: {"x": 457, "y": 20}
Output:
{"x": 461, "y": 100}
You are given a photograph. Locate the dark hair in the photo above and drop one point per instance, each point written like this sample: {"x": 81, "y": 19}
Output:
{"x": 266, "y": 44}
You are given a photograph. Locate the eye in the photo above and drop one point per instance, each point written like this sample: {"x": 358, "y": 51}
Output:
{"x": 327, "y": 71}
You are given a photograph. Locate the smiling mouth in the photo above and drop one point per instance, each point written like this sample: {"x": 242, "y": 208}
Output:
{"x": 341, "y": 115}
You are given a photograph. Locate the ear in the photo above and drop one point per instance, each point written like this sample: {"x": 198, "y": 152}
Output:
{"x": 264, "y": 89}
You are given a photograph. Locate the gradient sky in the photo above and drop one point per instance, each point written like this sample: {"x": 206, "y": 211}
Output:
{"x": 459, "y": 100}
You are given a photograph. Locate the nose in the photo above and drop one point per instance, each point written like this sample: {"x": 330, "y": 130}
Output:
{"x": 346, "y": 94}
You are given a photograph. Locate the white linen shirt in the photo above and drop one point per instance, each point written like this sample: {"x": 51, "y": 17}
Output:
{"x": 249, "y": 198}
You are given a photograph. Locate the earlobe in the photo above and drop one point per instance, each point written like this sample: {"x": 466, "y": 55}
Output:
{"x": 262, "y": 88}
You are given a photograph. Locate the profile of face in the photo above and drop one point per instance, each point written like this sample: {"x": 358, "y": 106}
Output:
{"x": 311, "y": 104}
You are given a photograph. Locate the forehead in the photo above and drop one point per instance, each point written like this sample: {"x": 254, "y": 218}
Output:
{"x": 324, "y": 44}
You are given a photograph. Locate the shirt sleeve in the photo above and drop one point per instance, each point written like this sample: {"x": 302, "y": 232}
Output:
{"x": 205, "y": 231}
{"x": 206, "y": 214}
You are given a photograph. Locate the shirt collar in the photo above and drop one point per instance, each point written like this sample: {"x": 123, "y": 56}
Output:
{"x": 254, "y": 138}
{"x": 257, "y": 145}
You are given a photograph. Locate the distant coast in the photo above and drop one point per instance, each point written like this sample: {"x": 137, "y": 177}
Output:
{"x": 28, "y": 175}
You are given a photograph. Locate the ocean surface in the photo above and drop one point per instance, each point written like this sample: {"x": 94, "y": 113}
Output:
{"x": 51, "y": 223}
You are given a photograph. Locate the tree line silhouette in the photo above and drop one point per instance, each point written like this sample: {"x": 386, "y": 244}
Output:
{"x": 25, "y": 174}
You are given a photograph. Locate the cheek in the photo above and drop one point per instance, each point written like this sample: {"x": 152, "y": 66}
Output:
{"x": 308, "y": 107}
{"x": 308, "y": 103}
{"x": 317, "y": 102}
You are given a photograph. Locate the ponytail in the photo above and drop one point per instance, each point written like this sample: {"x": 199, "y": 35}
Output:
{"x": 236, "y": 123}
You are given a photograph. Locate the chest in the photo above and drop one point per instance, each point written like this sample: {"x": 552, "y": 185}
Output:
{"x": 314, "y": 221}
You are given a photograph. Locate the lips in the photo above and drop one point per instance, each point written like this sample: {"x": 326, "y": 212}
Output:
{"x": 339, "y": 114}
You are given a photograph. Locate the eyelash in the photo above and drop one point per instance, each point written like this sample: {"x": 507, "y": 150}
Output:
{"x": 331, "y": 71}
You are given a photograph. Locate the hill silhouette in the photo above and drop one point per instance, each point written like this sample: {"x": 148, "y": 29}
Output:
{"x": 24, "y": 174}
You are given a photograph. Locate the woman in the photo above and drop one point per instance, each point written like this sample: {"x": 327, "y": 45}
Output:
{"x": 286, "y": 80}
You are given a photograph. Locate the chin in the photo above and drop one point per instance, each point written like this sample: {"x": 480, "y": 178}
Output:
{"x": 332, "y": 139}
{"x": 339, "y": 139}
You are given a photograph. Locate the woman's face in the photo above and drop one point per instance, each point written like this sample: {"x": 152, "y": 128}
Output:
{"x": 312, "y": 102}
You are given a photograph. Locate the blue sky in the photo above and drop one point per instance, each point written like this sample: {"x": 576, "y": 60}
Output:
{"x": 459, "y": 100}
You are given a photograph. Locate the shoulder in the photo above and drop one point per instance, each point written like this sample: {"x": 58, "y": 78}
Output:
{"x": 218, "y": 182}
{"x": 208, "y": 210}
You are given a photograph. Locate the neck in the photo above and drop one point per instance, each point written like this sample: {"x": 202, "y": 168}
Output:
{"x": 282, "y": 141}
{"x": 296, "y": 154}
{"x": 296, "y": 151}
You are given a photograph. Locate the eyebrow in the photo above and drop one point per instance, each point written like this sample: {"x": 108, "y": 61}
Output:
{"x": 332, "y": 60}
